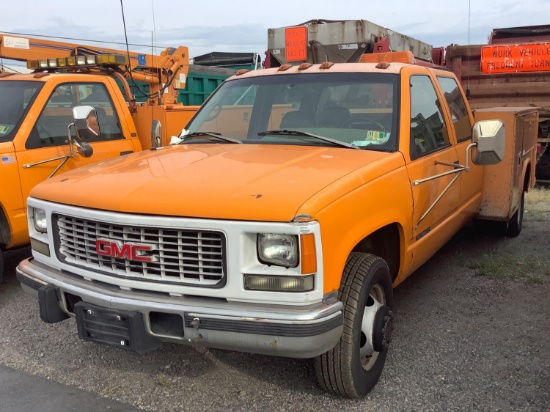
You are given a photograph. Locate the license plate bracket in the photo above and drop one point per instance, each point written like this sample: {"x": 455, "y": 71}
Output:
{"x": 112, "y": 327}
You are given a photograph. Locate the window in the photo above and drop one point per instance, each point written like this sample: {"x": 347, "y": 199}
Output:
{"x": 15, "y": 99}
{"x": 355, "y": 108}
{"x": 459, "y": 113}
{"x": 51, "y": 127}
{"x": 428, "y": 131}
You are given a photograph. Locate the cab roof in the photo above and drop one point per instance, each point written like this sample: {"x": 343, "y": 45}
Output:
{"x": 391, "y": 62}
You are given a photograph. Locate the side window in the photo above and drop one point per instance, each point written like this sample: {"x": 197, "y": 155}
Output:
{"x": 51, "y": 127}
{"x": 456, "y": 103}
{"x": 15, "y": 98}
{"x": 428, "y": 131}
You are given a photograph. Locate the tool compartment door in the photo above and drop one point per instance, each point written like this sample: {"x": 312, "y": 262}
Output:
{"x": 504, "y": 183}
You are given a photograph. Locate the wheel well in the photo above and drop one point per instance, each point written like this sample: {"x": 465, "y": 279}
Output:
{"x": 384, "y": 243}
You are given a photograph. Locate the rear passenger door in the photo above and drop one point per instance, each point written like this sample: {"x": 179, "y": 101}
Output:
{"x": 431, "y": 152}
{"x": 462, "y": 121}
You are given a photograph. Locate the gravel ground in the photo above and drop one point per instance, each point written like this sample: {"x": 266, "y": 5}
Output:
{"x": 469, "y": 335}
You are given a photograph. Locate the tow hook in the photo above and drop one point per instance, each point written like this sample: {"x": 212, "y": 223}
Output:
{"x": 382, "y": 329}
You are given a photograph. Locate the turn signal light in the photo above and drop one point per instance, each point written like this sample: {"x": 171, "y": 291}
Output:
{"x": 278, "y": 283}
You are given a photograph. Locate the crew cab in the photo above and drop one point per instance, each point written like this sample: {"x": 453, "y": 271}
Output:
{"x": 280, "y": 219}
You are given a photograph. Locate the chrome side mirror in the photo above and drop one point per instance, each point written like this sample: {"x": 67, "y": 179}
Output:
{"x": 489, "y": 138}
{"x": 86, "y": 122}
{"x": 156, "y": 134}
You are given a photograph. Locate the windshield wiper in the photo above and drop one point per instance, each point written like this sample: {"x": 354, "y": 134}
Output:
{"x": 211, "y": 134}
{"x": 300, "y": 133}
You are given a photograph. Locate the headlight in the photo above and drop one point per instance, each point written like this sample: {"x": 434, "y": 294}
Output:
{"x": 280, "y": 250}
{"x": 39, "y": 219}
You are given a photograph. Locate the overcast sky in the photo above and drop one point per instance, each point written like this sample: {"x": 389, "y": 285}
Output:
{"x": 241, "y": 25}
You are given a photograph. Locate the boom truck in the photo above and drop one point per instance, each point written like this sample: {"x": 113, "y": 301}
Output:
{"x": 511, "y": 70}
{"x": 296, "y": 198}
{"x": 36, "y": 110}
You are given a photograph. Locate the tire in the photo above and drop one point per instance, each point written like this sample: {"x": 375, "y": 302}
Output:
{"x": 352, "y": 368}
{"x": 514, "y": 226}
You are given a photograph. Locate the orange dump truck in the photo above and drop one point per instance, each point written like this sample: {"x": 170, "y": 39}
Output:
{"x": 36, "y": 110}
{"x": 293, "y": 203}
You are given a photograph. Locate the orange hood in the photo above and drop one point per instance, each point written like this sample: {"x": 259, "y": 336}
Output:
{"x": 241, "y": 182}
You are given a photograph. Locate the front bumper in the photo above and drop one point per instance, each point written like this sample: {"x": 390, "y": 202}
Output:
{"x": 283, "y": 330}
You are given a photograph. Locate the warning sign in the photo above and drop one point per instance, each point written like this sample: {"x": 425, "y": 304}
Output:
{"x": 296, "y": 43}
{"x": 515, "y": 58}
{"x": 16, "y": 42}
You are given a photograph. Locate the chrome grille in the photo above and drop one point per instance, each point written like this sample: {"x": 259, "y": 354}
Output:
{"x": 178, "y": 256}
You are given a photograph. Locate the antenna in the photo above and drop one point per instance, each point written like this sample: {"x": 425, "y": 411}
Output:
{"x": 469, "y": 1}
{"x": 125, "y": 32}
{"x": 154, "y": 34}
{"x": 468, "y": 95}
{"x": 154, "y": 26}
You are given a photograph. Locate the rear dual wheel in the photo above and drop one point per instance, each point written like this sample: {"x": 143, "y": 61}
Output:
{"x": 514, "y": 226}
{"x": 354, "y": 365}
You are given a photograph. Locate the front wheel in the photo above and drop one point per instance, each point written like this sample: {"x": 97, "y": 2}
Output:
{"x": 354, "y": 365}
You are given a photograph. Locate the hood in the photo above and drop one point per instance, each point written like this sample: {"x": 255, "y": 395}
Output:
{"x": 222, "y": 181}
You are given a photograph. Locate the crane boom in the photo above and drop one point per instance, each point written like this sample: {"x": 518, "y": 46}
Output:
{"x": 165, "y": 73}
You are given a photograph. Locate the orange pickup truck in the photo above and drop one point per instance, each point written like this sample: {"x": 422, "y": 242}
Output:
{"x": 292, "y": 204}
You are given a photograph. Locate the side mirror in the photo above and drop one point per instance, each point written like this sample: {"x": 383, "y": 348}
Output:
{"x": 86, "y": 123}
{"x": 489, "y": 137}
{"x": 156, "y": 133}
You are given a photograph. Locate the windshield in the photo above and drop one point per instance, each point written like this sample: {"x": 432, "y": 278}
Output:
{"x": 15, "y": 99}
{"x": 358, "y": 109}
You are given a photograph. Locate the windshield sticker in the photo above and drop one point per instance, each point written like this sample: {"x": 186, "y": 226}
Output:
{"x": 377, "y": 137}
{"x": 373, "y": 137}
{"x": 4, "y": 129}
{"x": 8, "y": 159}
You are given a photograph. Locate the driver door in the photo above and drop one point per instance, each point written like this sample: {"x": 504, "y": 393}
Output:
{"x": 47, "y": 139}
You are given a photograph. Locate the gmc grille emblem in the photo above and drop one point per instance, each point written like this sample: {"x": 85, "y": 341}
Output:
{"x": 128, "y": 251}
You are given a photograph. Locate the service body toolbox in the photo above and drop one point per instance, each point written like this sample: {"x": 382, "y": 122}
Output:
{"x": 505, "y": 182}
